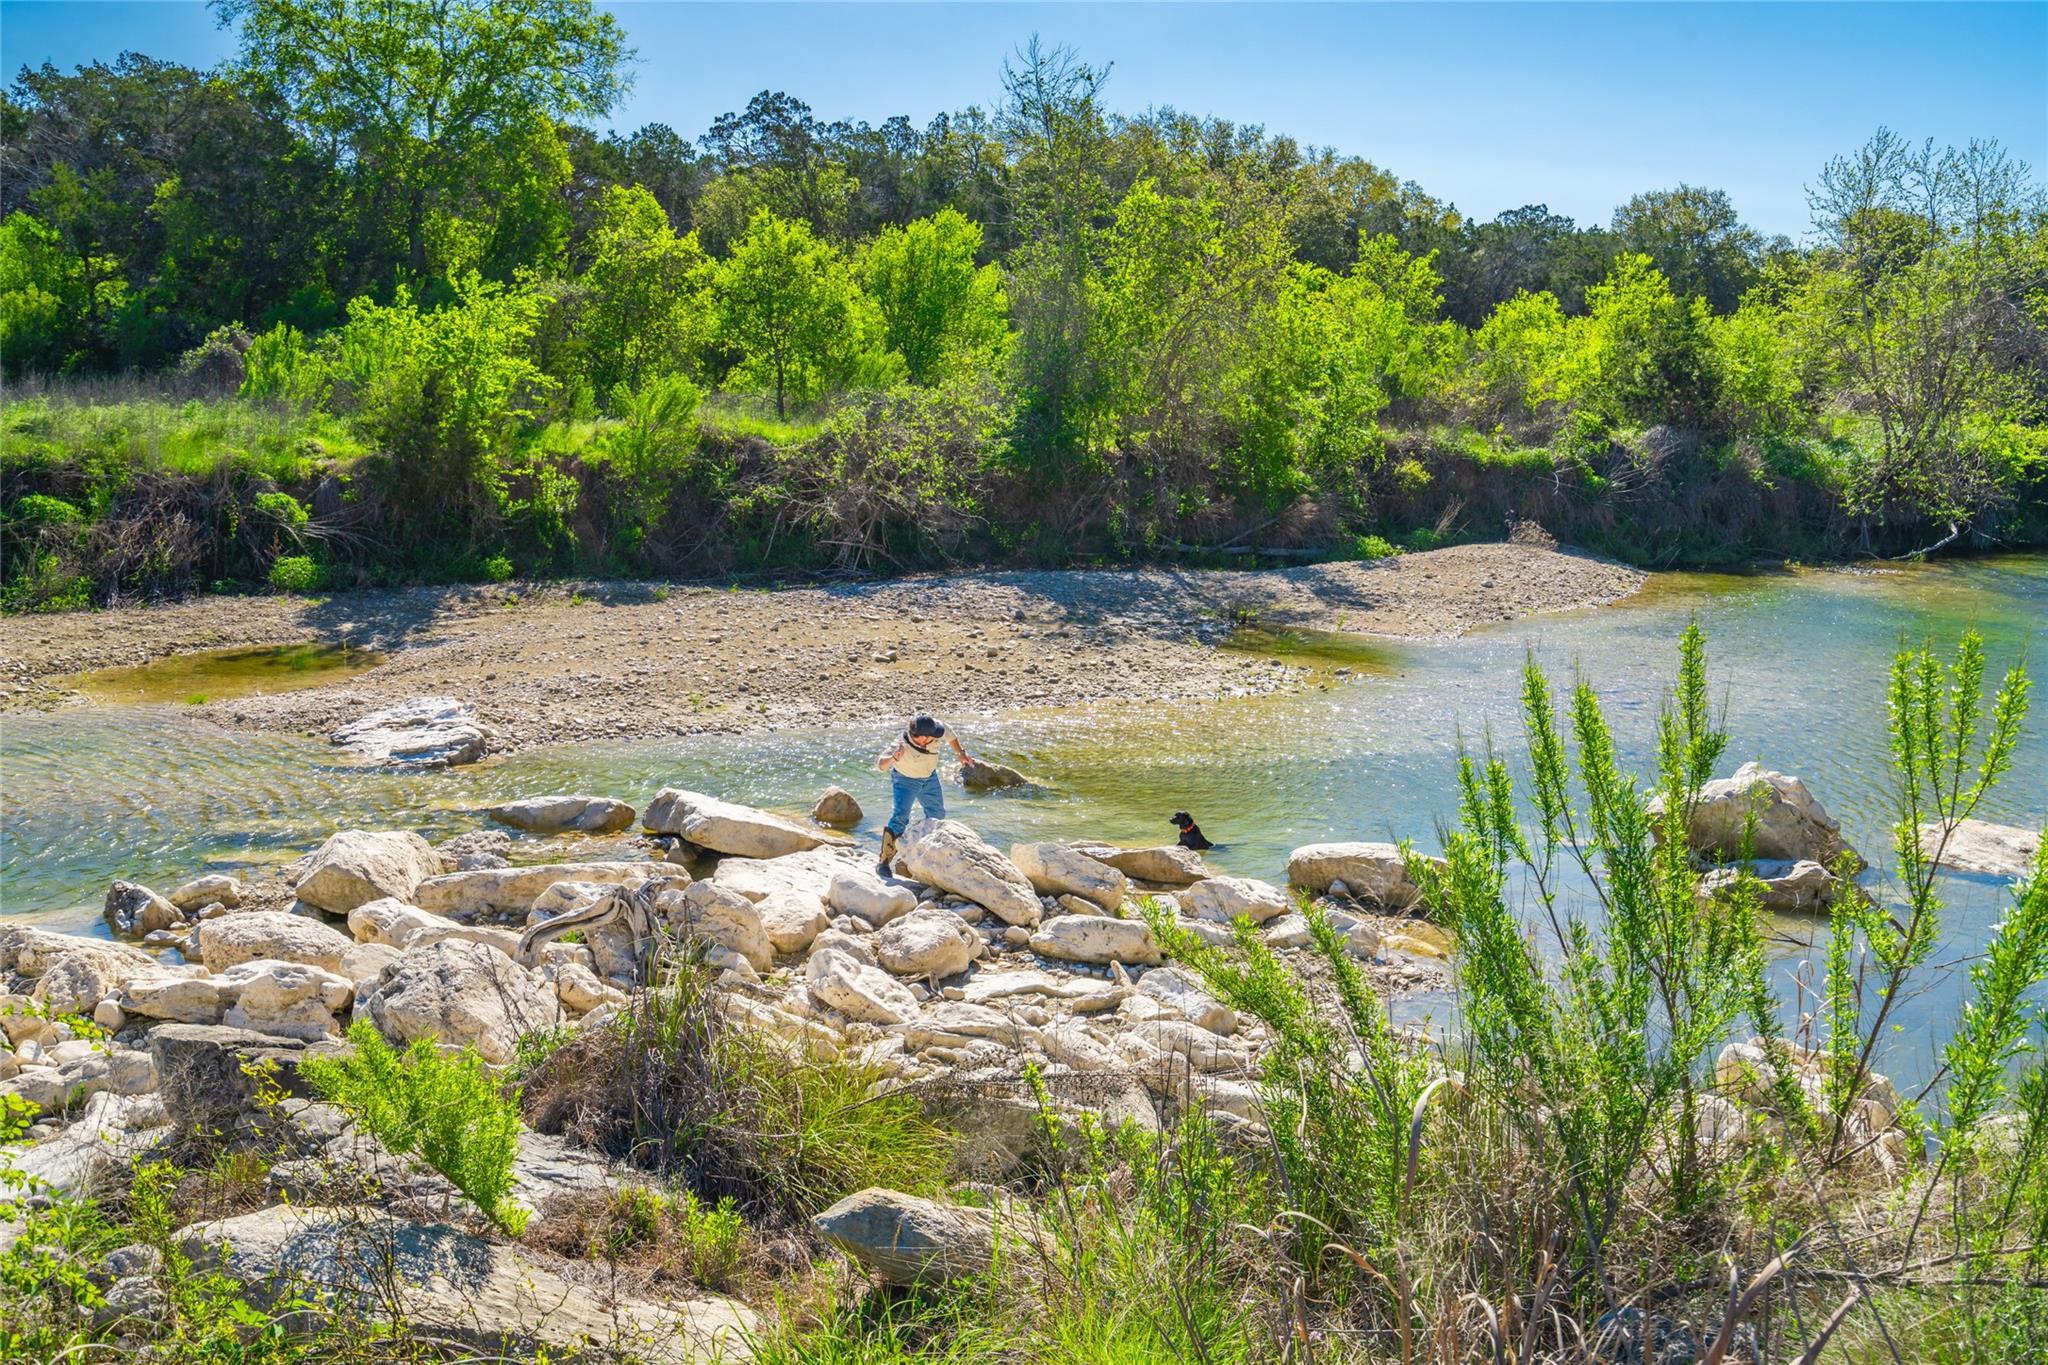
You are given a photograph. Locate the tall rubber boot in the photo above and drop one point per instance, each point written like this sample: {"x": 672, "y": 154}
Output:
{"x": 888, "y": 853}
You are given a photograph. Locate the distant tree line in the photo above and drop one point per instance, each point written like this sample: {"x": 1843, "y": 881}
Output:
{"x": 396, "y": 213}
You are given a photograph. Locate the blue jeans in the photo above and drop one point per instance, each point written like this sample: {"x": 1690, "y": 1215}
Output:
{"x": 925, "y": 791}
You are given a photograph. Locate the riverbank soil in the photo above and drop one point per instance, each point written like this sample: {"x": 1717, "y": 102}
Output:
{"x": 559, "y": 662}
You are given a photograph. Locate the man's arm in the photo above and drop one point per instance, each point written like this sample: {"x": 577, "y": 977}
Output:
{"x": 954, "y": 740}
{"x": 888, "y": 758}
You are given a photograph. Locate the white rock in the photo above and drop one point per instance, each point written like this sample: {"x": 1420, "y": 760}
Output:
{"x": 366, "y": 962}
{"x": 174, "y": 997}
{"x": 1178, "y": 989}
{"x": 862, "y": 893}
{"x": 505, "y": 941}
{"x": 927, "y": 942}
{"x": 1982, "y": 847}
{"x": 1163, "y": 865}
{"x": 288, "y": 999}
{"x": 564, "y": 814}
{"x": 427, "y": 732}
{"x": 1287, "y": 931}
{"x": 725, "y": 827}
{"x": 950, "y": 856}
{"x": 356, "y": 866}
{"x": 71, "y": 974}
{"x": 580, "y": 990}
{"x": 708, "y": 910}
{"x": 1375, "y": 873}
{"x": 792, "y": 921}
{"x": 215, "y": 888}
{"x": 1223, "y": 899}
{"x": 1097, "y": 938}
{"x": 260, "y": 934}
{"x": 389, "y": 921}
{"x": 1789, "y": 823}
{"x": 839, "y": 981}
{"x": 808, "y": 873}
{"x": 513, "y": 890}
{"x": 459, "y": 993}
{"x": 1057, "y": 870}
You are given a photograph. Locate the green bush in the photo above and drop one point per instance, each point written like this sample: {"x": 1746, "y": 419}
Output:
{"x": 295, "y": 573}
{"x": 497, "y": 569}
{"x": 447, "y": 1111}
{"x": 39, "y": 509}
{"x": 1374, "y": 547}
{"x": 283, "y": 508}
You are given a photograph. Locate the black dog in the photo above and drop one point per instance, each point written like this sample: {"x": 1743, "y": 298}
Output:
{"x": 1190, "y": 833}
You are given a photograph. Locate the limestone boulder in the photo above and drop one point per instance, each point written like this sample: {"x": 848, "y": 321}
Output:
{"x": 1375, "y": 873}
{"x": 710, "y": 911}
{"x": 495, "y": 892}
{"x": 459, "y": 993}
{"x": 277, "y": 934}
{"x": 904, "y": 1240}
{"x": 133, "y": 910}
{"x": 1788, "y": 887}
{"x": 427, "y": 732}
{"x": 926, "y": 942}
{"x": 183, "y": 997}
{"x": 492, "y": 1300}
{"x": 476, "y": 850}
{"x": 791, "y": 920}
{"x": 209, "y": 1072}
{"x": 1181, "y": 992}
{"x": 366, "y": 962}
{"x": 983, "y": 775}
{"x": 356, "y": 866}
{"x": 837, "y": 808}
{"x": 1058, "y": 870}
{"x": 809, "y": 873}
{"x": 857, "y": 891}
{"x": 1982, "y": 847}
{"x": 286, "y": 999}
{"x": 564, "y": 814}
{"x": 1223, "y": 900}
{"x": 838, "y": 980}
{"x": 726, "y": 827}
{"x": 1161, "y": 865}
{"x": 952, "y": 857}
{"x": 1097, "y": 939}
{"x": 216, "y": 888}
{"x": 66, "y": 973}
{"x": 389, "y": 921}
{"x": 1790, "y": 824}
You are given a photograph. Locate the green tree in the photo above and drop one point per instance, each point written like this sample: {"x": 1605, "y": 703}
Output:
{"x": 415, "y": 96}
{"x": 647, "y": 311}
{"x": 43, "y": 295}
{"x": 788, "y": 305}
{"x": 1641, "y": 354}
{"x": 1695, "y": 239}
{"x": 944, "y": 315}
{"x": 1928, "y": 299}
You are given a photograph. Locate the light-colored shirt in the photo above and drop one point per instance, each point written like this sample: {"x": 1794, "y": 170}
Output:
{"x": 916, "y": 763}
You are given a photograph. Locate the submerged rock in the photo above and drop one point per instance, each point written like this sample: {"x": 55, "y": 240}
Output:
{"x": 428, "y": 732}
{"x": 1787, "y": 886}
{"x": 836, "y": 807}
{"x": 1982, "y": 847}
{"x": 564, "y": 814}
{"x": 984, "y": 776}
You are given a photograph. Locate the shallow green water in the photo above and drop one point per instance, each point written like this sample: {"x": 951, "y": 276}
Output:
{"x": 218, "y": 674}
{"x": 148, "y": 792}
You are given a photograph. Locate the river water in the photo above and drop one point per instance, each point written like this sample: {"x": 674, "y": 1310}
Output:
{"x": 1799, "y": 658}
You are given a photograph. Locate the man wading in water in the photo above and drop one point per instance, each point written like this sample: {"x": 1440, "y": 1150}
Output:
{"x": 912, "y": 763}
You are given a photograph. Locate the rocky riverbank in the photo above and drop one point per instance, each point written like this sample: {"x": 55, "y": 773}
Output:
{"x": 562, "y": 662}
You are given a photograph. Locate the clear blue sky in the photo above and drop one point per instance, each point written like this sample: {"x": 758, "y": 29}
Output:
{"x": 1488, "y": 105}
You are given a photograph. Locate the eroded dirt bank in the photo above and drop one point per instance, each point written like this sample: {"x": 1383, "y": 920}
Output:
{"x": 545, "y": 664}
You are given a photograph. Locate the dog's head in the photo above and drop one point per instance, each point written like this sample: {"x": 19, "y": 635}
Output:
{"x": 1181, "y": 819}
